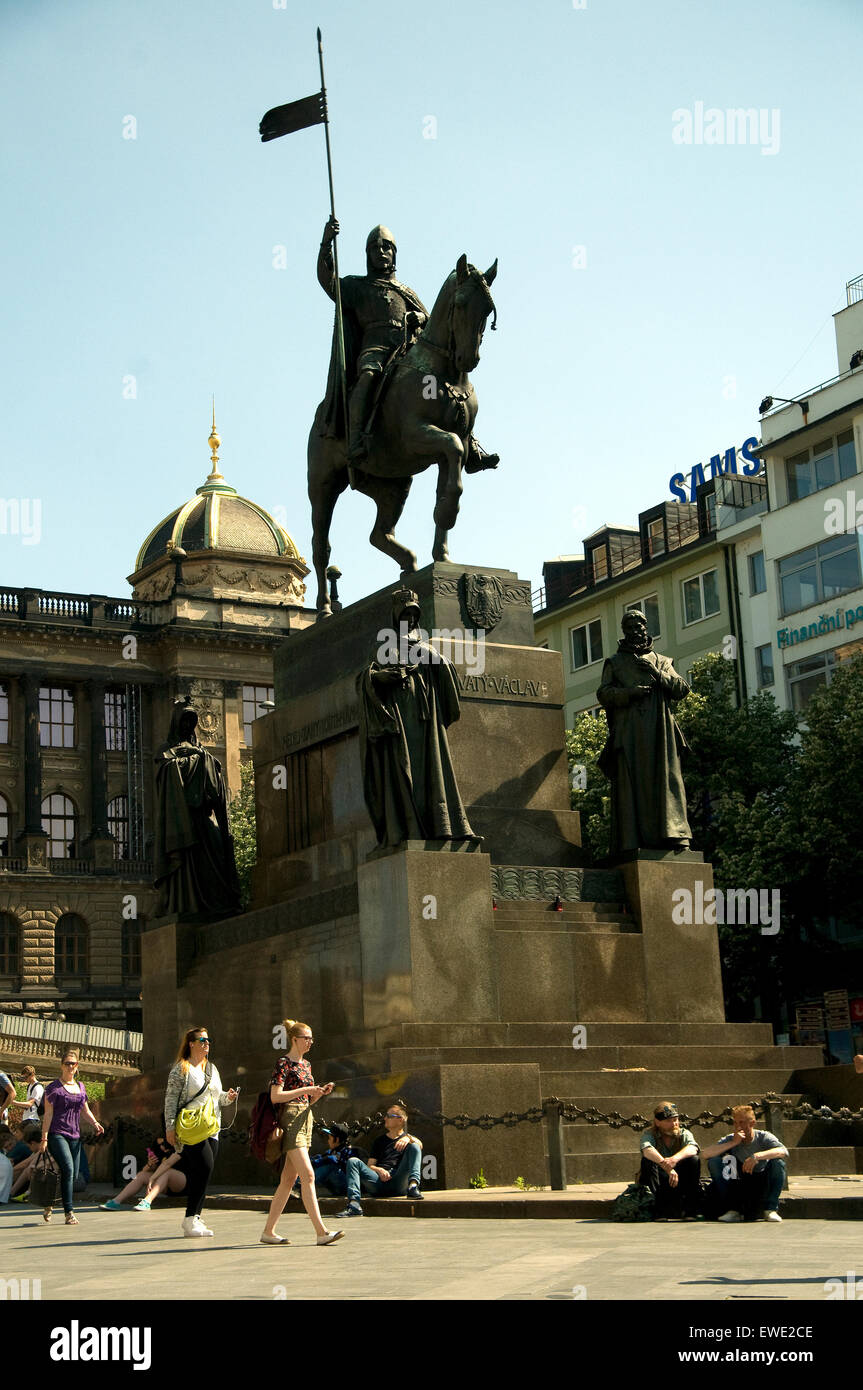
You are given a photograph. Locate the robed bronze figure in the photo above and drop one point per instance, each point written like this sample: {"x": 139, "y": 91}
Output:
{"x": 195, "y": 871}
{"x": 407, "y": 702}
{"x": 642, "y": 755}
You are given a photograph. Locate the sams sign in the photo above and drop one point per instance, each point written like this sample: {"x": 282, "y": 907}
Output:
{"x": 718, "y": 465}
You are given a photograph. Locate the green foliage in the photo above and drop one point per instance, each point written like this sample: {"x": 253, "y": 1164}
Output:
{"x": 525, "y": 1186}
{"x": 241, "y": 816}
{"x": 478, "y": 1180}
{"x": 584, "y": 743}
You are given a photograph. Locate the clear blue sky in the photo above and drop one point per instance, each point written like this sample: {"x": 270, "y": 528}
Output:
{"x": 153, "y": 257}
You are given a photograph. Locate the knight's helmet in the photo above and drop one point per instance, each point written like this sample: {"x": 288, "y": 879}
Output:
{"x": 386, "y": 235}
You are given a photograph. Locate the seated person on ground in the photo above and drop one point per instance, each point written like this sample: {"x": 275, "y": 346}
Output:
{"x": 162, "y": 1171}
{"x": 331, "y": 1176}
{"x": 33, "y": 1140}
{"x": 748, "y": 1169}
{"x": 12, "y": 1143}
{"x": 394, "y": 1168}
{"x": 670, "y": 1166}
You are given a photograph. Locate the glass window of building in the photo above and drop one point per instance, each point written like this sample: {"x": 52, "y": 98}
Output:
{"x": 71, "y": 946}
{"x": 58, "y": 822}
{"x": 807, "y": 676}
{"x": 4, "y": 827}
{"x": 131, "y": 950}
{"x": 599, "y": 562}
{"x": 700, "y": 596}
{"x": 4, "y": 713}
{"x": 118, "y": 825}
{"x": 115, "y": 721}
{"x": 757, "y": 573}
{"x": 10, "y": 944}
{"x": 56, "y": 717}
{"x": 586, "y": 644}
{"x": 825, "y": 463}
{"x": 820, "y": 572}
{"x": 656, "y": 537}
{"x": 649, "y": 606}
{"x": 764, "y": 665}
{"x": 253, "y": 698}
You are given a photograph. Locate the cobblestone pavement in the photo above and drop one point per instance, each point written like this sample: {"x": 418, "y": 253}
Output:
{"x": 136, "y": 1256}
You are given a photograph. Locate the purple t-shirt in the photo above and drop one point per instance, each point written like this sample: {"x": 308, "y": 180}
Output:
{"x": 66, "y": 1119}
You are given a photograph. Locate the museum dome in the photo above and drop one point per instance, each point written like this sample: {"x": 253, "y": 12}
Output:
{"x": 217, "y": 519}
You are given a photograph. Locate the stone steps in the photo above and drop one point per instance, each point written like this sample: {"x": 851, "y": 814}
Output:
{"x": 651, "y": 1086}
{"x": 623, "y": 1167}
{"x": 519, "y": 1035}
{"x": 612, "y": 1061}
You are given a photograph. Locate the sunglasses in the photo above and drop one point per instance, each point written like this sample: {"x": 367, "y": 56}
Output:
{"x": 201, "y": 1040}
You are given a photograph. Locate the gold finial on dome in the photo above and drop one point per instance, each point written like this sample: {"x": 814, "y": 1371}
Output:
{"x": 215, "y": 444}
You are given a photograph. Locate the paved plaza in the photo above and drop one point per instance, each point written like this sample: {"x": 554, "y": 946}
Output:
{"x": 129, "y": 1256}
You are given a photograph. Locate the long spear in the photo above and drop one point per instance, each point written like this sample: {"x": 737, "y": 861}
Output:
{"x": 283, "y": 120}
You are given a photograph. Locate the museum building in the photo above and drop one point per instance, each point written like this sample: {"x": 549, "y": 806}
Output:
{"x": 87, "y": 685}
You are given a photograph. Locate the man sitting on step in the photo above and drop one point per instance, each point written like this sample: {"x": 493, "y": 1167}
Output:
{"x": 670, "y": 1166}
{"x": 394, "y": 1170}
{"x": 748, "y": 1170}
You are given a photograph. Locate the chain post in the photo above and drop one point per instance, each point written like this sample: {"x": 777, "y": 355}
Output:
{"x": 556, "y": 1147}
{"x": 775, "y": 1117}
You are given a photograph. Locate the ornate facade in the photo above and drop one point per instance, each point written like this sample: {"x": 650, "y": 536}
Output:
{"x": 86, "y": 689}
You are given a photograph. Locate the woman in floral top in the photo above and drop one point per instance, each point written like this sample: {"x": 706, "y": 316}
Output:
{"x": 292, "y": 1087}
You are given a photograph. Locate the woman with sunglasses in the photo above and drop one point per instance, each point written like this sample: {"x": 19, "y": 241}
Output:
{"x": 193, "y": 1085}
{"x": 292, "y": 1087}
{"x": 65, "y": 1102}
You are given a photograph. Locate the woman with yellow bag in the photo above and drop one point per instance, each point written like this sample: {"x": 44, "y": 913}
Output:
{"x": 193, "y": 1120}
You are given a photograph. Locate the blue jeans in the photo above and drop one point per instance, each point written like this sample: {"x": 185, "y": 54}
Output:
{"x": 747, "y": 1192}
{"x": 67, "y": 1155}
{"x": 406, "y": 1171}
{"x": 330, "y": 1180}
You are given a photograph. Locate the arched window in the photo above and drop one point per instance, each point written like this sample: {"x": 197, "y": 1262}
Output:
{"x": 118, "y": 825}
{"x": 131, "y": 951}
{"x": 4, "y": 827}
{"x": 10, "y": 944}
{"x": 71, "y": 946}
{"x": 58, "y": 822}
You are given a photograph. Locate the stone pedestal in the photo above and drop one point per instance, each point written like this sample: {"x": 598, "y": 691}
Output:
{"x": 425, "y": 936}
{"x": 682, "y": 977}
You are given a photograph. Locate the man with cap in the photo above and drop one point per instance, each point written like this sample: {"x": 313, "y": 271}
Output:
{"x": 670, "y": 1165}
{"x": 331, "y": 1167}
{"x": 375, "y": 308}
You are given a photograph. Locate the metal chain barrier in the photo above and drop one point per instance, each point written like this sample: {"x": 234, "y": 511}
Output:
{"x": 567, "y": 1111}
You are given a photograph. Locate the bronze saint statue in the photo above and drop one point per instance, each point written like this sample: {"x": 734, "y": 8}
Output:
{"x": 195, "y": 872}
{"x": 642, "y": 754}
{"x": 379, "y": 315}
{"x": 407, "y": 702}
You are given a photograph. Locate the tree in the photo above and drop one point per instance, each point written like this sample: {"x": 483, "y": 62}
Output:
{"x": 589, "y": 788}
{"x": 241, "y": 817}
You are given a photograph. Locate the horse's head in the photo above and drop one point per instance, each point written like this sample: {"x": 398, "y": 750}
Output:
{"x": 471, "y": 305}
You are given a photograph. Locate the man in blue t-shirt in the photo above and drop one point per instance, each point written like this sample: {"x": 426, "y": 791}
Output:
{"x": 748, "y": 1169}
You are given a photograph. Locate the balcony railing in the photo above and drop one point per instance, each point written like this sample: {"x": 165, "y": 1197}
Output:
{"x": 71, "y": 866}
{"x": 854, "y": 290}
{"x": 12, "y": 866}
{"x": 56, "y": 606}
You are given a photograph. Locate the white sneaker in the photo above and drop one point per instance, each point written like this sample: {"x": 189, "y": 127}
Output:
{"x": 770, "y": 1216}
{"x": 191, "y": 1226}
{"x": 200, "y": 1228}
{"x": 731, "y": 1216}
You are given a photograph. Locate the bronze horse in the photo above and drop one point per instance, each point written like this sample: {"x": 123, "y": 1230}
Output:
{"x": 425, "y": 416}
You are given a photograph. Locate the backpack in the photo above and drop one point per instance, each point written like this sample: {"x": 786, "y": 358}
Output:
{"x": 635, "y": 1203}
{"x": 262, "y": 1121}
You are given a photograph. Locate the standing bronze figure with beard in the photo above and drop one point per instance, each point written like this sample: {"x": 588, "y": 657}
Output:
{"x": 642, "y": 754}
